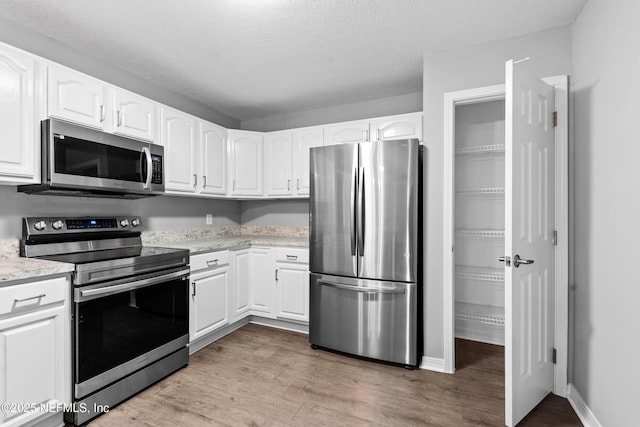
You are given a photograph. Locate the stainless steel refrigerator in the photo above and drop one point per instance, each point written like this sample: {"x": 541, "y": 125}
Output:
{"x": 365, "y": 249}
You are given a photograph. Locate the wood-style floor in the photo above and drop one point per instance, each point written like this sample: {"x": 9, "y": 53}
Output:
{"x": 259, "y": 376}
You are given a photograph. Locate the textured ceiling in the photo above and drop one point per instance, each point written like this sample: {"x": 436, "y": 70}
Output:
{"x": 256, "y": 58}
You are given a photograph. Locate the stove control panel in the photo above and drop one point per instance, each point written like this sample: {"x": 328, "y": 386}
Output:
{"x": 57, "y": 225}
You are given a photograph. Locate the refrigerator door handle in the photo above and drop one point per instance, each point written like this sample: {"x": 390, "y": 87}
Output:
{"x": 354, "y": 195}
{"x": 364, "y": 289}
{"x": 361, "y": 210}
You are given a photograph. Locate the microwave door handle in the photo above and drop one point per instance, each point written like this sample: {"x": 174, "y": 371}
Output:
{"x": 147, "y": 154}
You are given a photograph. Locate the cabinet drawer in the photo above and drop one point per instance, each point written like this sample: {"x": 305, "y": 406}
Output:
{"x": 209, "y": 260}
{"x": 292, "y": 255}
{"x": 33, "y": 295}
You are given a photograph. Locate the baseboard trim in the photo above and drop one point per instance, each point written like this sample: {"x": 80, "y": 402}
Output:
{"x": 432, "y": 364}
{"x": 585, "y": 414}
{"x": 280, "y": 324}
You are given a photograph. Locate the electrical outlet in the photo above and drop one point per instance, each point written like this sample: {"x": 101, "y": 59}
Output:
{"x": 209, "y": 219}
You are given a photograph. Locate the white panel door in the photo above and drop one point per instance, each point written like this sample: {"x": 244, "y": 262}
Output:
{"x": 529, "y": 221}
{"x": 292, "y": 291}
{"x": 303, "y": 140}
{"x": 261, "y": 282}
{"x": 404, "y": 126}
{"x": 246, "y": 155}
{"x": 179, "y": 137}
{"x": 213, "y": 152}
{"x": 277, "y": 164}
{"x": 208, "y": 302}
{"x": 135, "y": 116}
{"x": 341, "y": 133}
{"x": 76, "y": 97}
{"x": 17, "y": 116}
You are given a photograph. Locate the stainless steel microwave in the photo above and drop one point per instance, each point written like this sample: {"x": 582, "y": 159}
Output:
{"x": 87, "y": 162}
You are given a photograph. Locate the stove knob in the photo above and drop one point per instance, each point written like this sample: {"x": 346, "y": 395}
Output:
{"x": 40, "y": 225}
{"x": 57, "y": 225}
{"x": 135, "y": 222}
{"x": 124, "y": 222}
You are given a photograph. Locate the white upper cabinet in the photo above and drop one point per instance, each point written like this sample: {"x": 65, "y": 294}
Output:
{"x": 404, "y": 126}
{"x": 303, "y": 141}
{"x": 76, "y": 97}
{"x": 213, "y": 159}
{"x": 133, "y": 115}
{"x": 341, "y": 133}
{"x": 245, "y": 154}
{"x": 19, "y": 144}
{"x": 179, "y": 137}
{"x": 278, "y": 164}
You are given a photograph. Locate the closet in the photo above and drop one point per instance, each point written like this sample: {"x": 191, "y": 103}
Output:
{"x": 479, "y": 221}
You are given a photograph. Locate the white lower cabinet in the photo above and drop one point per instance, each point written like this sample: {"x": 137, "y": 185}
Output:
{"x": 35, "y": 350}
{"x": 208, "y": 309}
{"x": 292, "y": 284}
{"x": 239, "y": 297}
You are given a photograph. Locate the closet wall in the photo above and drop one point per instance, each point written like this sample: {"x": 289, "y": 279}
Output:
{"x": 479, "y": 221}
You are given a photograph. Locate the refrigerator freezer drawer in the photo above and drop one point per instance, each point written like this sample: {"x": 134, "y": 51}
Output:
{"x": 368, "y": 318}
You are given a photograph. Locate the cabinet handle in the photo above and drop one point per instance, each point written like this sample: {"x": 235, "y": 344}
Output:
{"x": 288, "y": 185}
{"x": 292, "y": 257}
{"x": 194, "y": 289}
{"x": 204, "y": 183}
{"x": 195, "y": 180}
{"x": 378, "y": 134}
{"x": 101, "y": 113}
{"x": 366, "y": 135}
{"x": 119, "y": 119}
{"x": 212, "y": 262}
{"x": 17, "y": 300}
{"x": 234, "y": 185}
{"x": 298, "y": 184}
{"x": 276, "y": 274}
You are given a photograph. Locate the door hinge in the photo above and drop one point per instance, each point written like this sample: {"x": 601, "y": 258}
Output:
{"x": 553, "y": 356}
{"x": 555, "y": 118}
{"x": 555, "y": 237}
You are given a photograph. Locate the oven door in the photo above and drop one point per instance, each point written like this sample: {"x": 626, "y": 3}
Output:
{"x": 86, "y": 159}
{"x": 124, "y": 325}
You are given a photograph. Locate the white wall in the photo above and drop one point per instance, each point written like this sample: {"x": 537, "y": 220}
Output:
{"x": 469, "y": 67}
{"x": 606, "y": 86}
{"x": 408, "y": 103}
{"x": 158, "y": 213}
{"x": 23, "y": 38}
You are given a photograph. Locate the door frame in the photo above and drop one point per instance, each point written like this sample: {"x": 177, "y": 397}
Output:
{"x": 561, "y": 328}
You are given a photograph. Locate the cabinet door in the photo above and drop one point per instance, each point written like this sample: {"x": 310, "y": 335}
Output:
{"x": 277, "y": 164}
{"x": 18, "y": 145}
{"x": 34, "y": 362}
{"x": 135, "y": 116}
{"x": 246, "y": 163}
{"x": 213, "y": 152}
{"x": 261, "y": 279}
{"x": 303, "y": 140}
{"x": 292, "y": 291}
{"x": 208, "y": 302}
{"x": 76, "y": 97}
{"x": 341, "y": 133}
{"x": 404, "y": 126}
{"x": 179, "y": 135}
{"x": 239, "y": 301}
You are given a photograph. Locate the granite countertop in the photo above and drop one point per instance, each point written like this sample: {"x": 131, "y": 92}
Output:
{"x": 14, "y": 268}
{"x": 213, "y": 239}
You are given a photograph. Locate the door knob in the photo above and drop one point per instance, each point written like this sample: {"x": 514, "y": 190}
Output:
{"x": 517, "y": 261}
{"x": 506, "y": 260}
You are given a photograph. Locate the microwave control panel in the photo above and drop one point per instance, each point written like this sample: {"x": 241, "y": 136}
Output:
{"x": 156, "y": 172}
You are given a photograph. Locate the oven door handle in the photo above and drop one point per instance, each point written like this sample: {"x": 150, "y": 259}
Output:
{"x": 87, "y": 294}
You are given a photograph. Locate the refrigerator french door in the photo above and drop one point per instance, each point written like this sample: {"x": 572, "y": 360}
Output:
{"x": 364, "y": 245}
